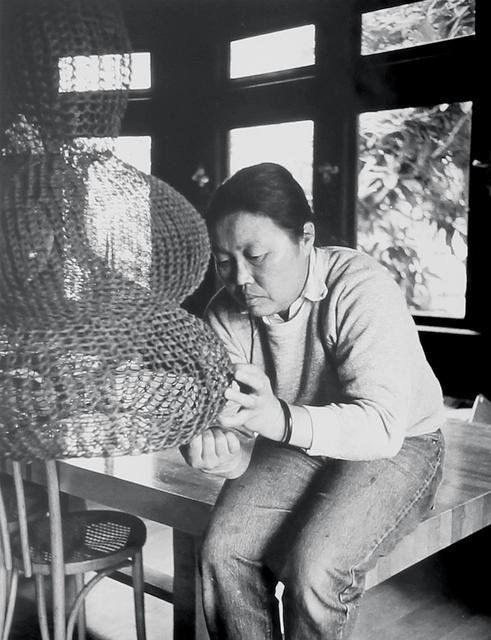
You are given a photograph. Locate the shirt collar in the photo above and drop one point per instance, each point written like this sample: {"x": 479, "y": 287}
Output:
{"x": 315, "y": 286}
{"x": 314, "y": 290}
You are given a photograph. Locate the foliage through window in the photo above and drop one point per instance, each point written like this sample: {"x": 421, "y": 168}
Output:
{"x": 413, "y": 201}
{"x": 417, "y": 23}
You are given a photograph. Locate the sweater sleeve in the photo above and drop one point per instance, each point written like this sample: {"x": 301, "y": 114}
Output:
{"x": 231, "y": 327}
{"x": 227, "y": 323}
{"x": 380, "y": 365}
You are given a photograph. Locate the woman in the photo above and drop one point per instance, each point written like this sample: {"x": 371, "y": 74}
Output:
{"x": 334, "y": 452}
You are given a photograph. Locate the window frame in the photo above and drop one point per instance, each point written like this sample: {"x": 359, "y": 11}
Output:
{"x": 344, "y": 83}
{"x": 425, "y": 75}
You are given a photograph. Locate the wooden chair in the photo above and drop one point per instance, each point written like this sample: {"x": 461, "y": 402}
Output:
{"x": 38, "y": 539}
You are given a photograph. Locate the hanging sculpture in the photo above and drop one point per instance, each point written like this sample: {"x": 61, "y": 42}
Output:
{"x": 97, "y": 357}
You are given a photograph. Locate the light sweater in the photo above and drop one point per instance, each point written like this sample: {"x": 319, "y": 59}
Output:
{"x": 350, "y": 354}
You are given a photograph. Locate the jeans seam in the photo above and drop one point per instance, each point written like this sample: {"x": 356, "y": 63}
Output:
{"x": 402, "y": 515}
{"x": 341, "y": 625}
{"x": 418, "y": 496}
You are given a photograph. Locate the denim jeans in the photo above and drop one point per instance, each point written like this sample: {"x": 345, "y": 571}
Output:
{"x": 317, "y": 525}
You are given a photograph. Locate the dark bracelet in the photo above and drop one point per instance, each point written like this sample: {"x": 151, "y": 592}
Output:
{"x": 288, "y": 422}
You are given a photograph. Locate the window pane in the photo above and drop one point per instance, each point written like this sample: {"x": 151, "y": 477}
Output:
{"x": 135, "y": 150}
{"x": 104, "y": 73}
{"x": 140, "y": 70}
{"x": 117, "y": 221}
{"x": 413, "y": 201}
{"x": 288, "y": 143}
{"x": 286, "y": 49}
{"x": 417, "y": 23}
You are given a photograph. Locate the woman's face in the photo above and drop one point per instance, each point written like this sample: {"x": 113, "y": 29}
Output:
{"x": 261, "y": 264}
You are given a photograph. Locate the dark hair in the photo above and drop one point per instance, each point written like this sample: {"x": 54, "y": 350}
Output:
{"x": 267, "y": 189}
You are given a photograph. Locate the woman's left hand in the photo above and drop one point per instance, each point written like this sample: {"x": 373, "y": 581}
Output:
{"x": 260, "y": 409}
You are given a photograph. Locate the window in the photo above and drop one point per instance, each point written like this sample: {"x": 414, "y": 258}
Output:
{"x": 104, "y": 73}
{"x": 270, "y": 121}
{"x": 141, "y": 77}
{"x": 379, "y": 120}
{"x": 413, "y": 201}
{"x": 286, "y": 143}
{"x": 118, "y": 224}
{"x": 414, "y": 186}
{"x": 416, "y": 23}
{"x": 286, "y": 49}
{"x": 135, "y": 150}
{"x": 365, "y": 87}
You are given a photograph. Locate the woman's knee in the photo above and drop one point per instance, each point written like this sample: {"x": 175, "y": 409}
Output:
{"x": 226, "y": 545}
{"x": 317, "y": 579}
{"x": 216, "y": 546}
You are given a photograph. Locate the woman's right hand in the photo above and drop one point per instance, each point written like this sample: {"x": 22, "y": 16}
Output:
{"x": 223, "y": 452}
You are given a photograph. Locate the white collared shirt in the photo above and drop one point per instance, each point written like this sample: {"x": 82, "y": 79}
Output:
{"x": 314, "y": 290}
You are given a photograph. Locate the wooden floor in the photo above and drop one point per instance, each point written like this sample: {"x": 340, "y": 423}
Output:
{"x": 438, "y": 599}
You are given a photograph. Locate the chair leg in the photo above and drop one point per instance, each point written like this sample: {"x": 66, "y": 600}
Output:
{"x": 75, "y": 584}
{"x": 41, "y": 606}
{"x": 57, "y": 557}
{"x": 59, "y": 612}
{"x": 12, "y": 581}
{"x": 81, "y": 619}
{"x": 3, "y": 598}
{"x": 138, "y": 595}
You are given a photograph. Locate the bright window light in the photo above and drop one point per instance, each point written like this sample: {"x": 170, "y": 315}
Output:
{"x": 135, "y": 150}
{"x": 287, "y": 143}
{"x": 104, "y": 73}
{"x": 141, "y": 71}
{"x": 286, "y": 49}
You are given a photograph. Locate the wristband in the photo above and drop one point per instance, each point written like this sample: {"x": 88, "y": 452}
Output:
{"x": 288, "y": 422}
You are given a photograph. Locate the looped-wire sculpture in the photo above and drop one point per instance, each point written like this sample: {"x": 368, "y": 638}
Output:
{"x": 96, "y": 355}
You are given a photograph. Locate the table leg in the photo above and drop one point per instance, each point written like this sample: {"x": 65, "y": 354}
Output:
{"x": 189, "y": 623}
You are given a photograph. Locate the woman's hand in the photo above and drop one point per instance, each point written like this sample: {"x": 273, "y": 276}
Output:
{"x": 260, "y": 410}
{"x": 218, "y": 451}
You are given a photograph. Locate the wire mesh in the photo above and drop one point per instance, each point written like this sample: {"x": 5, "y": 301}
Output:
{"x": 96, "y": 355}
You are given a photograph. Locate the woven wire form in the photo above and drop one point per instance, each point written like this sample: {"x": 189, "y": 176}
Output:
{"x": 96, "y": 355}
{"x": 42, "y": 41}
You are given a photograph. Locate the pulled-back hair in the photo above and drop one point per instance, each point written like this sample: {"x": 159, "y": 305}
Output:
{"x": 267, "y": 189}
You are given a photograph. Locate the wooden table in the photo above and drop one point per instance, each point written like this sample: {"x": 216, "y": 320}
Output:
{"x": 162, "y": 488}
